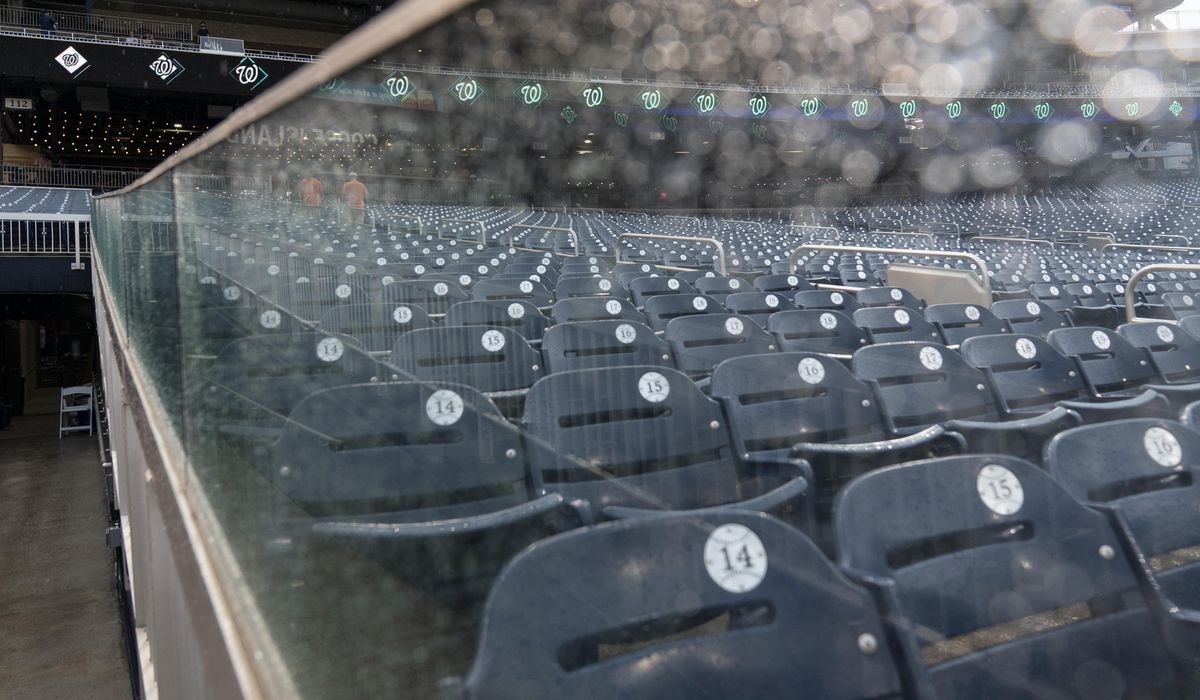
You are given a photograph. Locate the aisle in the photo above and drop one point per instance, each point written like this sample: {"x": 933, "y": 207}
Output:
{"x": 58, "y": 612}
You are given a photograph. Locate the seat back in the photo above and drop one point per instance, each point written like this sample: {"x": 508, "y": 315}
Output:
{"x": 1024, "y": 371}
{"x": 700, "y": 342}
{"x": 407, "y": 445}
{"x": 814, "y": 330}
{"x": 594, "y": 309}
{"x": 592, "y": 344}
{"x": 721, "y": 287}
{"x": 1108, "y": 362}
{"x": 521, "y": 316}
{"x": 599, "y": 632}
{"x": 1028, "y": 316}
{"x": 1181, "y": 304}
{"x": 484, "y": 357}
{"x": 377, "y": 325}
{"x": 758, "y": 306}
{"x": 919, "y": 384}
{"x": 781, "y": 283}
{"x": 823, "y": 299}
{"x": 597, "y": 286}
{"x": 888, "y": 325}
{"x": 663, "y": 309}
{"x": 512, "y": 289}
{"x": 641, "y": 436}
{"x": 642, "y": 288}
{"x": 994, "y": 565}
{"x": 1174, "y": 353}
{"x": 957, "y": 322}
{"x": 889, "y": 296}
{"x": 434, "y": 296}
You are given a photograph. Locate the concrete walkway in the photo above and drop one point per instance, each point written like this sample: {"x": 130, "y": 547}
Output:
{"x": 60, "y": 634}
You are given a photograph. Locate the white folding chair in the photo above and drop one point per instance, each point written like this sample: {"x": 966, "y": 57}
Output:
{"x": 73, "y": 401}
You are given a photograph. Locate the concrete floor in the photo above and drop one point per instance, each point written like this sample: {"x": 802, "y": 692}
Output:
{"x": 60, "y": 634}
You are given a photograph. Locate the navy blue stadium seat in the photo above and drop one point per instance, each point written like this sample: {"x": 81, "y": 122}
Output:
{"x": 757, "y": 306}
{"x": 823, "y": 299}
{"x": 591, "y": 344}
{"x": 1001, "y": 585}
{"x": 663, "y": 309}
{"x": 521, "y": 316}
{"x": 569, "y": 288}
{"x": 634, "y": 439}
{"x": 781, "y": 283}
{"x": 519, "y": 290}
{"x": 920, "y": 384}
{"x": 567, "y": 620}
{"x": 1174, "y": 354}
{"x": 814, "y": 330}
{"x": 642, "y": 288}
{"x": 957, "y": 322}
{"x": 434, "y": 296}
{"x": 699, "y": 342}
{"x": 1112, "y": 367}
{"x": 376, "y": 325}
{"x": 890, "y": 296}
{"x": 1029, "y": 316}
{"x": 594, "y": 309}
{"x": 887, "y": 325}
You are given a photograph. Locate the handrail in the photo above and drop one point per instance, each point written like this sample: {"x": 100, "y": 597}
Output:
{"x": 97, "y": 23}
{"x": 1009, "y": 239}
{"x": 482, "y": 230}
{"x": 570, "y": 232}
{"x": 981, "y": 268}
{"x": 1156, "y": 248}
{"x": 1130, "y": 307}
{"x": 669, "y": 237}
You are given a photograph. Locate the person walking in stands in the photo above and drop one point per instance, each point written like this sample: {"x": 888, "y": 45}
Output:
{"x": 201, "y": 33}
{"x": 354, "y": 194}
{"x": 47, "y": 23}
{"x": 310, "y": 195}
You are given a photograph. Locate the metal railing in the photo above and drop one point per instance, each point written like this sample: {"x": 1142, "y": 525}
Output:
{"x": 98, "y": 24}
{"x": 1130, "y": 291}
{"x": 980, "y": 268}
{"x": 57, "y": 235}
{"x": 90, "y": 178}
{"x": 721, "y": 268}
{"x": 570, "y": 234}
{"x": 1151, "y": 248}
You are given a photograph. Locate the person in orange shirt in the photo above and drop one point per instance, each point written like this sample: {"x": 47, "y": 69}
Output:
{"x": 310, "y": 195}
{"x": 354, "y": 194}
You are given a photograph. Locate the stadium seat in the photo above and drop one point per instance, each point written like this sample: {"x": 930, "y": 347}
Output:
{"x": 663, "y": 309}
{"x": 1112, "y": 367}
{"x": 592, "y": 344}
{"x": 594, "y": 309}
{"x": 779, "y": 616}
{"x": 786, "y": 284}
{"x": 521, "y": 316}
{"x": 920, "y": 384}
{"x": 1001, "y": 585}
{"x": 1029, "y": 317}
{"x": 813, "y": 330}
{"x": 887, "y": 325}
{"x": 957, "y": 322}
{"x": 642, "y": 288}
{"x": 757, "y": 306}
{"x": 569, "y": 288}
{"x": 699, "y": 342}
{"x": 822, "y": 299}
{"x": 889, "y": 296}
{"x": 434, "y": 296}
{"x": 376, "y": 325}
{"x": 1028, "y": 377}
{"x": 803, "y": 405}
{"x": 511, "y": 289}
{"x": 629, "y": 440}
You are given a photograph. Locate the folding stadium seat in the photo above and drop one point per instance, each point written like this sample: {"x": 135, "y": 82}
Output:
{"x": 1181, "y": 304}
{"x": 1145, "y": 474}
{"x": 631, "y": 271}
{"x": 571, "y": 287}
{"x": 919, "y": 384}
{"x": 1087, "y": 295}
{"x": 642, "y": 288}
{"x": 890, "y": 296}
{"x": 757, "y": 306}
{"x": 1174, "y": 354}
{"x": 591, "y": 344}
{"x": 781, "y": 283}
{"x": 521, "y": 316}
{"x": 1112, "y": 367}
{"x": 803, "y": 405}
{"x": 1028, "y": 316}
{"x": 885, "y": 324}
{"x": 594, "y": 309}
{"x": 434, "y": 296}
{"x": 1191, "y": 326}
{"x": 1050, "y": 295}
{"x": 786, "y": 617}
{"x": 720, "y": 287}
{"x": 427, "y": 479}
{"x": 518, "y": 290}
{"x": 693, "y": 276}
{"x": 252, "y": 385}
{"x": 1028, "y": 377}
{"x": 663, "y": 309}
{"x": 699, "y": 342}
{"x": 629, "y": 440}
{"x": 217, "y": 326}
{"x": 592, "y": 266}
{"x": 1002, "y": 586}
{"x": 496, "y": 361}
{"x": 824, "y": 299}
{"x": 376, "y": 326}
{"x": 813, "y": 330}
{"x": 957, "y": 322}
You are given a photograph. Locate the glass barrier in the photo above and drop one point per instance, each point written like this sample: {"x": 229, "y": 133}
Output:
{"x": 569, "y": 349}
